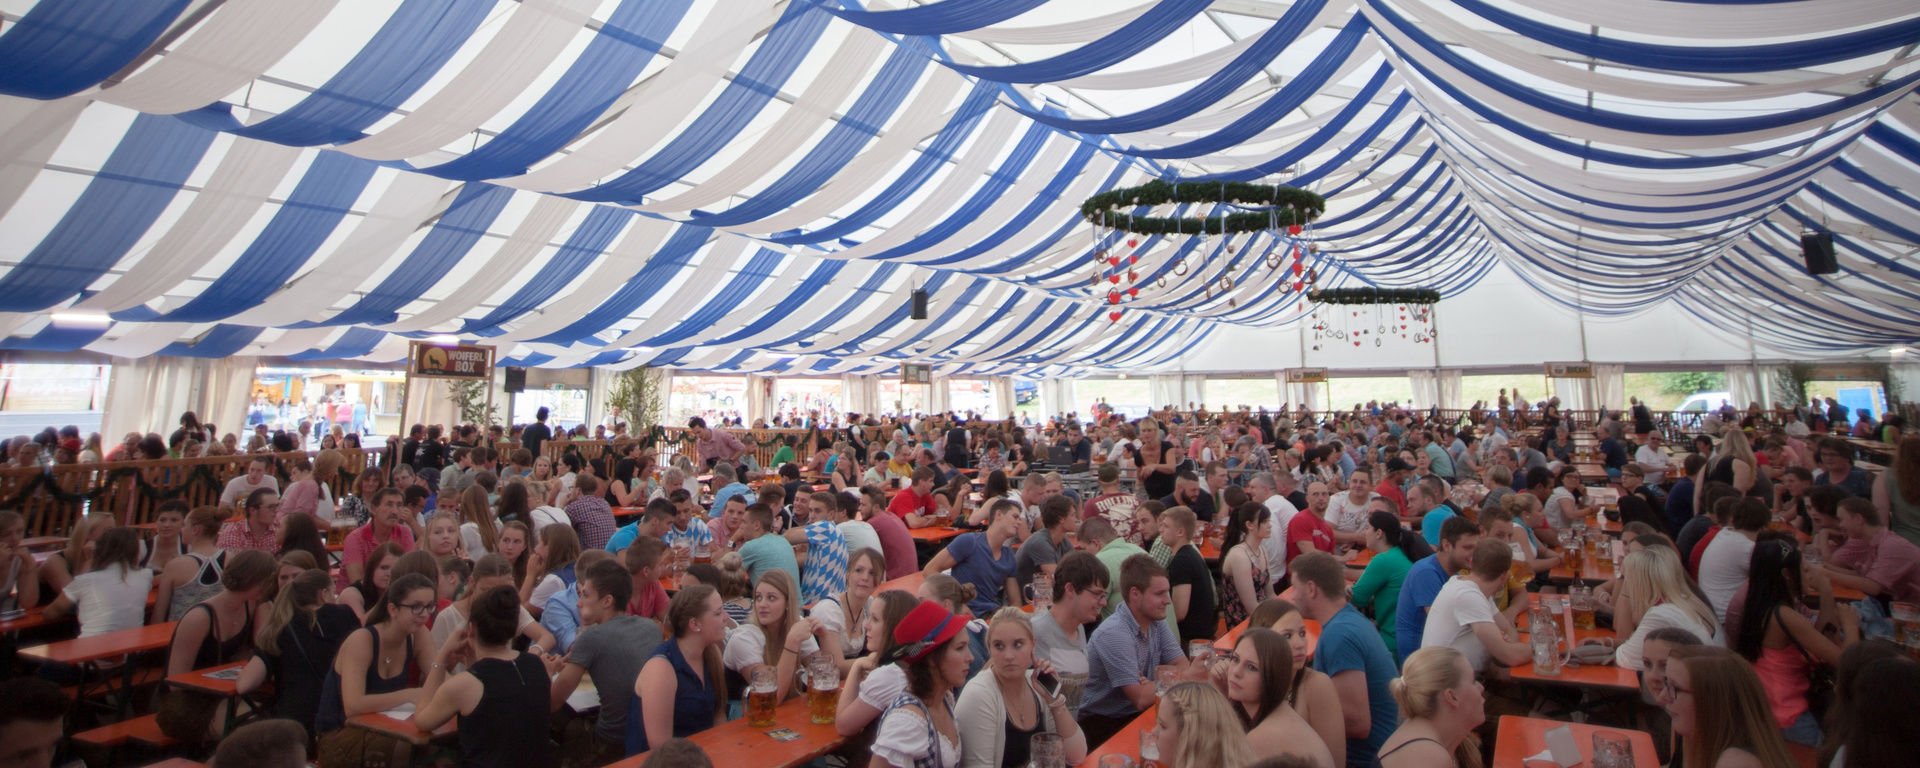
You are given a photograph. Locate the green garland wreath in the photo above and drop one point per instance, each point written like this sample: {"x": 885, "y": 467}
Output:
{"x": 1375, "y": 296}
{"x": 1287, "y": 206}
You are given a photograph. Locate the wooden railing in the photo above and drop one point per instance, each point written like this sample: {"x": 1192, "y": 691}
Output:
{"x": 52, "y": 499}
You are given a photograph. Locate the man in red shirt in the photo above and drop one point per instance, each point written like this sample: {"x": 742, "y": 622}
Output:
{"x": 916, "y": 503}
{"x": 1309, "y": 531}
{"x": 1389, "y": 486}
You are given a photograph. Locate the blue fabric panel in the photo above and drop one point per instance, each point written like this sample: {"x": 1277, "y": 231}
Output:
{"x": 356, "y": 342}
{"x": 122, "y": 201}
{"x": 1015, "y": 164}
{"x": 1368, "y": 175}
{"x": 1049, "y": 196}
{"x": 410, "y": 47}
{"x": 793, "y": 36}
{"x": 1627, "y": 121}
{"x": 1117, "y": 46}
{"x": 673, "y": 256}
{"x": 943, "y": 321}
{"x": 587, "y": 242}
{"x": 731, "y": 296}
{"x": 303, "y": 223}
{"x": 54, "y": 339}
{"x": 856, "y": 298}
{"x": 936, "y": 155}
{"x": 459, "y": 228}
{"x": 62, "y": 47}
{"x": 822, "y": 276}
{"x": 1221, "y": 83}
{"x": 1771, "y": 57}
{"x": 629, "y": 39}
{"x": 853, "y": 130}
{"x": 1046, "y": 244}
{"x": 897, "y": 315}
{"x": 223, "y": 341}
{"x": 1325, "y": 134}
{"x": 532, "y": 360}
{"x": 945, "y": 17}
{"x": 605, "y": 358}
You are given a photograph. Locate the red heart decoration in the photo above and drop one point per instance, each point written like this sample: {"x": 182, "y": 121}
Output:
{"x": 1114, "y": 316}
{"x": 1133, "y": 291}
{"x": 1132, "y": 241}
{"x": 1356, "y": 343}
{"x": 1113, "y": 261}
{"x": 1113, "y": 297}
{"x": 1297, "y": 269}
{"x": 1133, "y": 259}
{"x": 1403, "y": 325}
{"x": 1293, "y": 229}
{"x": 1297, "y": 284}
{"x": 1132, "y": 276}
{"x": 1115, "y": 279}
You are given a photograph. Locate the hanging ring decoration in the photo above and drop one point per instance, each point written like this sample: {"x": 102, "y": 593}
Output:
{"x": 1180, "y": 267}
{"x": 1287, "y": 206}
{"x": 1358, "y": 296}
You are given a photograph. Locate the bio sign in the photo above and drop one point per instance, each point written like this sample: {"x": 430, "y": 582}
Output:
{"x": 452, "y": 361}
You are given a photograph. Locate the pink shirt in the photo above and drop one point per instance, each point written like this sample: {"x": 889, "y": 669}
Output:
{"x": 722, "y": 445}
{"x": 236, "y": 536}
{"x": 1891, "y": 561}
{"x": 361, "y": 543}
{"x": 896, "y": 544}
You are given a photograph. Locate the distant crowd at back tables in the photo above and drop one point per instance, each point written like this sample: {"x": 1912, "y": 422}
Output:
{"x": 471, "y": 543}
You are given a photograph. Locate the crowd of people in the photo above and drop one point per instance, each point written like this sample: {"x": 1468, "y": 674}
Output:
{"x": 483, "y": 582}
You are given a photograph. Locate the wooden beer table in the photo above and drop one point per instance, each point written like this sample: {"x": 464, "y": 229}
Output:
{"x": 380, "y": 722}
{"x": 88, "y": 652}
{"x": 1126, "y": 741}
{"x": 1231, "y": 637}
{"x": 909, "y": 584}
{"x": 934, "y": 533}
{"x": 1519, "y": 738}
{"x": 735, "y": 743}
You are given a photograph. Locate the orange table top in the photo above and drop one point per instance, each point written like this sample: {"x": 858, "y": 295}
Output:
{"x": 1208, "y": 551}
{"x": 1360, "y": 558}
{"x": 1231, "y": 637}
{"x": 934, "y": 533}
{"x": 909, "y": 584}
{"x": 1608, "y": 676}
{"x": 199, "y": 681}
{"x": 404, "y": 729}
{"x": 735, "y": 743}
{"x": 35, "y": 617}
{"x": 1126, "y": 741}
{"x": 1519, "y": 738}
{"x": 1589, "y": 571}
{"x": 98, "y": 647}
{"x": 36, "y": 542}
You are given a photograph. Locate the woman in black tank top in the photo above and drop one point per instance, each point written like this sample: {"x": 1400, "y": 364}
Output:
{"x": 501, "y": 699}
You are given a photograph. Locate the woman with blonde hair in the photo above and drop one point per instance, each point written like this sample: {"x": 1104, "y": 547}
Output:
{"x": 1442, "y": 704}
{"x": 777, "y": 638}
{"x": 60, "y": 567}
{"x": 1733, "y": 463}
{"x": 1196, "y": 727}
{"x": 479, "y": 530}
{"x": 1720, "y": 711}
{"x": 871, "y": 684}
{"x": 1000, "y": 712}
{"x": 735, "y": 588}
{"x": 1310, "y": 692}
{"x": 1655, "y": 592}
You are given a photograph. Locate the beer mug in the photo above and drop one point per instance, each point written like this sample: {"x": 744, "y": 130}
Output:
{"x": 1040, "y": 592}
{"x": 1165, "y": 677}
{"x": 1200, "y": 652}
{"x": 1612, "y": 749}
{"x": 1116, "y": 761}
{"x": 1583, "y": 606}
{"x": 761, "y": 692}
{"x": 1073, "y": 687}
{"x": 1045, "y": 750}
{"x": 823, "y": 688}
{"x": 1149, "y": 749}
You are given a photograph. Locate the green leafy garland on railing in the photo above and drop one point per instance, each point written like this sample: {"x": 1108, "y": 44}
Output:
{"x": 1374, "y": 296}
{"x": 202, "y": 474}
{"x": 1287, "y": 207}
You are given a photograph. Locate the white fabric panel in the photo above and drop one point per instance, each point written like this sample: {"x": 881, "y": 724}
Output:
{"x": 30, "y": 131}
{"x": 1610, "y": 386}
{"x": 238, "y": 43}
{"x": 1767, "y": 379}
{"x": 922, "y": 118}
{"x": 1192, "y": 390}
{"x": 782, "y": 141}
{"x": 715, "y": 269}
{"x": 240, "y": 187}
{"x": 621, "y": 261}
{"x": 1448, "y": 381}
{"x": 759, "y": 392}
{"x": 816, "y": 307}
{"x": 938, "y": 398}
{"x": 149, "y": 394}
{"x": 1053, "y": 34}
{"x": 1742, "y": 387}
{"x": 654, "y": 108}
{"x": 599, "y": 385}
{"x": 1574, "y": 394}
{"x": 1663, "y": 19}
{"x": 1426, "y": 389}
{"x": 1039, "y": 230}
{"x": 527, "y": 241}
{"x": 1016, "y": 198}
{"x": 1171, "y": 73}
{"x": 401, "y": 209}
{"x": 1003, "y": 400}
{"x": 141, "y": 339}
{"x": 537, "y": 32}
{"x": 227, "y": 392}
{"x": 992, "y": 138}
{"x": 429, "y": 402}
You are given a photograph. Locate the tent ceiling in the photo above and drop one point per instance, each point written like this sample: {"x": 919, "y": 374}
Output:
{"x": 759, "y": 186}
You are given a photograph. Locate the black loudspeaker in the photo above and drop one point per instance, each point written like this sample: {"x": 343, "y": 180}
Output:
{"x": 919, "y": 311}
{"x": 516, "y": 380}
{"x": 1817, "y": 249}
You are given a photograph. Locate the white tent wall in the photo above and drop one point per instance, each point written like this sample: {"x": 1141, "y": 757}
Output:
{"x": 1426, "y": 389}
{"x": 428, "y": 403}
{"x": 1056, "y": 396}
{"x": 939, "y": 399}
{"x": 1610, "y": 386}
{"x": 149, "y": 394}
{"x": 1449, "y": 382}
{"x": 1002, "y": 389}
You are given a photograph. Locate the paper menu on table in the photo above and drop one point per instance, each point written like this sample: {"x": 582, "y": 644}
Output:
{"x": 401, "y": 712}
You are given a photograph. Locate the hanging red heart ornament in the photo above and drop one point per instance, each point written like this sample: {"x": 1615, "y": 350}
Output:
{"x": 1113, "y": 297}
{"x": 1133, "y": 292}
{"x": 1293, "y": 229}
{"x": 1114, "y": 316}
{"x": 1133, "y": 242}
{"x": 1115, "y": 279}
{"x": 1356, "y": 343}
{"x": 1132, "y": 276}
{"x": 1133, "y": 258}
{"x": 1297, "y": 269}
{"x": 1297, "y": 285}
{"x": 1113, "y": 261}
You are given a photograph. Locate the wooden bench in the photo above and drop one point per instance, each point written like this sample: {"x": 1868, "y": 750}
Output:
{"x": 143, "y": 731}
{"x": 142, "y": 677}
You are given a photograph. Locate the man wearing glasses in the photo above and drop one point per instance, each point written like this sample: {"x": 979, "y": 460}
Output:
{"x": 1059, "y": 634}
{"x": 259, "y": 529}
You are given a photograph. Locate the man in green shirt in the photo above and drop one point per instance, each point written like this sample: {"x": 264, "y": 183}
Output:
{"x": 1097, "y": 536}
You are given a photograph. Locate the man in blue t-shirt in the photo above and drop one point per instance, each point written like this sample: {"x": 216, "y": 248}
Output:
{"x": 1458, "y": 536}
{"x": 1425, "y": 505}
{"x": 1351, "y": 652}
{"x": 986, "y": 559}
{"x": 764, "y": 550}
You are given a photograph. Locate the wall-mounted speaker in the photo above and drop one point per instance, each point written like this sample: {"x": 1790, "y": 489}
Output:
{"x": 919, "y": 310}
{"x": 516, "y": 380}
{"x": 1817, "y": 249}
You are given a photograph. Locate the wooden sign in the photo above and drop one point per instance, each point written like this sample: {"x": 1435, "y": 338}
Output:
{"x": 1570, "y": 370}
{"x": 916, "y": 373}
{"x": 1307, "y": 375}
{"x": 451, "y": 361}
